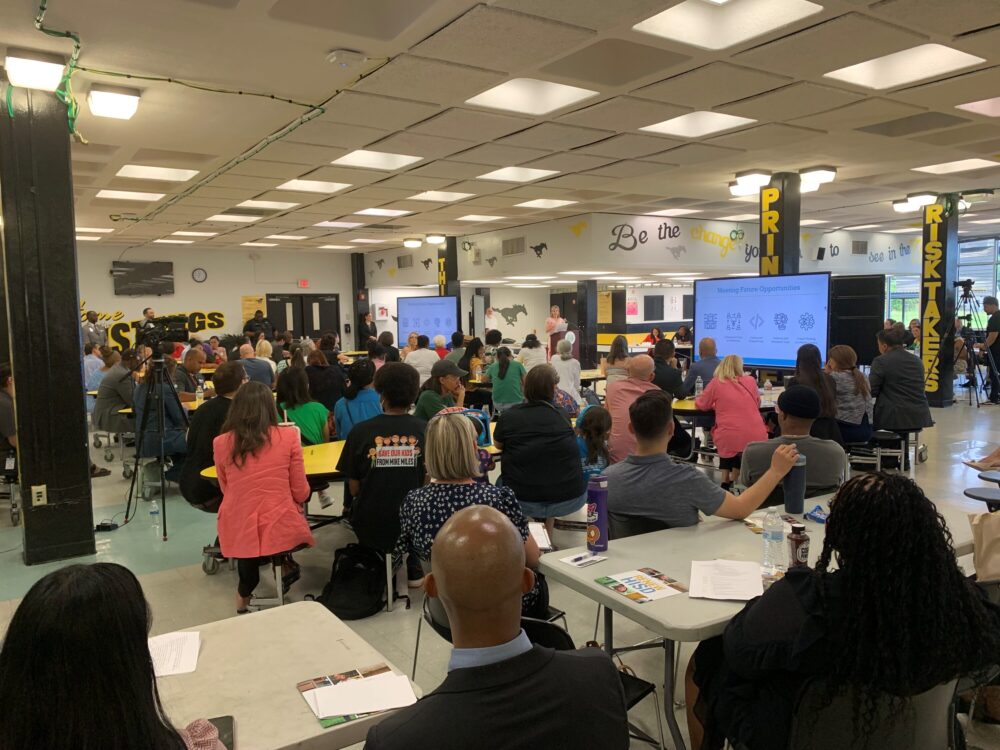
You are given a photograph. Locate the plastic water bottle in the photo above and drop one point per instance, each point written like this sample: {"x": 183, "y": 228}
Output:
{"x": 154, "y": 517}
{"x": 774, "y": 543}
{"x": 199, "y": 394}
{"x": 699, "y": 386}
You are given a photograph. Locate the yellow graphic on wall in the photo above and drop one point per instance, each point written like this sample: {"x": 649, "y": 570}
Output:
{"x": 603, "y": 307}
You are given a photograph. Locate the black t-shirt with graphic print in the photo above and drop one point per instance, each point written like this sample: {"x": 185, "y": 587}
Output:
{"x": 386, "y": 455}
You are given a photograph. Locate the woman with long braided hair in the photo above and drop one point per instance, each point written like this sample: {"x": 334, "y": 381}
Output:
{"x": 887, "y": 611}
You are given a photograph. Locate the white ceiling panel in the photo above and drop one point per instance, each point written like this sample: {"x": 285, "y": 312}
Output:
{"x": 623, "y": 113}
{"x": 429, "y": 80}
{"x": 956, "y": 90}
{"x": 555, "y": 136}
{"x": 344, "y": 174}
{"x": 712, "y": 85}
{"x": 453, "y": 169}
{"x": 859, "y": 114}
{"x": 302, "y": 153}
{"x": 324, "y": 133}
{"x": 569, "y": 162}
{"x": 467, "y": 124}
{"x": 498, "y": 155}
{"x": 957, "y": 17}
{"x": 614, "y": 62}
{"x": 262, "y": 168}
{"x": 593, "y": 14}
{"x": 765, "y": 136}
{"x": 369, "y": 110}
{"x": 790, "y": 102}
{"x": 629, "y": 168}
{"x": 694, "y": 153}
{"x": 630, "y": 146}
{"x": 418, "y": 144}
{"x": 955, "y": 136}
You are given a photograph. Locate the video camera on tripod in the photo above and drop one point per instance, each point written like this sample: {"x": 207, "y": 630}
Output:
{"x": 153, "y": 332}
{"x": 966, "y": 285}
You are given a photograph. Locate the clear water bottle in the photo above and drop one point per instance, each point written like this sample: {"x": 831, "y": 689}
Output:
{"x": 199, "y": 394}
{"x": 774, "y": 543}
{"x": 154, "y": 517}
{"x": 699, "y": 386}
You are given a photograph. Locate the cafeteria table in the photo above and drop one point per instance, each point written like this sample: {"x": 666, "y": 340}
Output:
{"x": 249, "y": 666}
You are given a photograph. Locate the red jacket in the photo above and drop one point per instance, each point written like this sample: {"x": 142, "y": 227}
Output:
{"x": 261, "y": 513}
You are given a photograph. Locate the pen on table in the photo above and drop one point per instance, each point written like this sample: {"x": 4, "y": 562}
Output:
{"x": 580, "y": 558}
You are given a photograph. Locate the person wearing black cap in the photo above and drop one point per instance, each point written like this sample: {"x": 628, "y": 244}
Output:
{"x": 444, "y": 388}
{"x": 826, "y": 462}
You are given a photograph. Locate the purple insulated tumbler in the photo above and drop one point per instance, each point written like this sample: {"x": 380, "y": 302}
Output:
{"x": 597, "y": 514}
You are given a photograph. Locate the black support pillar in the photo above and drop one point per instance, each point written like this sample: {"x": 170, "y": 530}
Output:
{"x": 360, "y": 304}
{"x": 780, "y": 211}
{"x": 448, "y": 275}
{"x": 586, "y": 322}
{"x": 42, "y": 305}
{"x": 938, "y": 273}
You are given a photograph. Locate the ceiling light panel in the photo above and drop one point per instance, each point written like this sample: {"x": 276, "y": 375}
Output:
{"x": 711, "y": 25}
{"x": 259, "y": 244}
{"x": 530, "y": 96}
{"x": 811, "y": 222}
{"x": 741, "y": 217}
{"x": 34, "y": 70}
{"x": 235, "y": 218}
{"x": 339, "y": 224}
{"x": 479, "y": 217}
{"x": 289, "y": 237}
{"x": 517, "y": 174}
{"x": 366, "y": 241}
{"x": 698, "y": 124}
{"x": 173, "y": 242}
{"x": 962, "y": 165}
{"x": 673, "y": 212}
{"x": 94, "y": 230}
{"x": 545, "y": 203}
{"x": 270, "y": 205}
{"x": 906, "y": 66}
{"x": 313, "y": 186}
{"x": 584, "y": 273}
{"x": 985, "y": 107}
{"x": 195, "y": 234}
{"x": 440, "y": 196}
{"x": 113, "y": 101}
{"x": 129, "y": 195}
{"x": 382, "y": 212}
{"x": 376, "y": 160}
{"x": 339, "y": 247}
{"x": 84, "y": 238}
{"x": 164, "y": 174}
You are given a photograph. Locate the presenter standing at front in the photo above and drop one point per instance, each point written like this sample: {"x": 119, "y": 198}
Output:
{"x": 555, "y": 327}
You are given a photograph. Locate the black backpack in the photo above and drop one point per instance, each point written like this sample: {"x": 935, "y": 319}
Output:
{"x": 356, "y": 588}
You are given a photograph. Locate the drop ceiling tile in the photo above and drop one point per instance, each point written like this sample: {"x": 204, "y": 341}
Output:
{"x": 380, "y": 194}
{"x": 234, "y": 194}
{"x": 416, "y": 144}
{"x": 501, "y": 39}
{"x": 931, "y": 16}
{"x": 324, "y": 133}
{"x": 970, "y": 87}
{"x": 914, "y": 124}
{"x": 428, "y": 80}
{"x": 279, "y": 171}
{"x": 989, "y": 148}
{"x": 416, "y": 183}
{"x": 336, "y": 207}
{"x": 554, "y": 136}
{"x": 374, "y": 19}
{"x": 630, "y": 146}
{"x": 614, "y": 62}
{"x": 88, "y": 167}
{"x": 983, "y": 43}
{"x": 301, "y": 153}
{"x": 792, "y": 101}
{"x": 968, "y": 134}
{"x": 471, "y": 124}
{"x": 623, "y": 113}
{"x": 711, "y": 85}
{"x": 531, "y": 192}
{"x": 390, "y": 113}
{"x": 155, "y": 157}
{"x": 498, "y": 155}
{"x": 569, "y": 162}
{"x": 865, "y": 112}
{"x": 693, "y": 153}
{"x": 479, "y": 187}
{"x": 287, "y": 196}
{"x": 629, "y": 168}
{"x": 344, "y": 174}
{"x": 765, "y": 136}
{"x": 821, "y": 48}
{"x": 230, "y": 180}
{"x": 453, "y": 169}
{"x": 579, "y": 182}
{"x": 593, "y": 14}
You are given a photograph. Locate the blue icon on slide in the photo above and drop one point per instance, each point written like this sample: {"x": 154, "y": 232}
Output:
{"x": 734, "y": 321}
{"x": 711, "y": 321}
{"x": 756, "y": 321}
{"x": 806, "y": 321}
{"x": 780, "y": 321}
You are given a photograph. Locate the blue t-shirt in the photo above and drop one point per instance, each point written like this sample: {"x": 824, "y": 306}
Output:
{"x": 348, "y": 412}
{"x": 590, "y": 470}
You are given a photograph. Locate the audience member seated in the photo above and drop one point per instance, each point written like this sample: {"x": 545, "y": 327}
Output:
{"x": 265, "y": 352}
{"x": 507, "y": 376}
{"x": 494, "y": 338}
{"x": 798, "y": 408}
{"x": 57, "y": 646}
{"x": 888, "y": 324}
{"x": 683, "y": 337}
{"x": 568, "y": 370}
{"x": 388, "y": 341}
{"x": 360, "y": 402}
{"x": 809, "y": 372}
{"x": 894, "y": 618}
{"x": 615, "y": 366}
{"x": 734, "y": 399}
{"x": 854, "y": 397}
{"x": 116, "y": 393}
{"x": 219, "y": 353}
{"x": 532, "y": 353}
{"x": 258, "y": 370}
{"x": 326, "y": 380}
{"x": 411, "y": 344}
{"x": 107, "y": 358}
{"x": 279, "y": 346}
{"x": 329, "y": 344}
{"x": 92, "y": 361}
{"x": 376, "y": 354}
{"x": 654, "y": 335}
{"x": 263, "y": 478}
{"x": 187, "y": 377}
{"x": 457, "y": 347}
{"x": 650, "y": 485}
{"x": 444, "y": 388}
{"x": 422, "y": 358}
{"x": 500, "y": 690}
{"x": 8, "y": 421}
{"x": 174, "y": 420}
{"x": 914, "y": 331}
{"x": 439, "y": 346}
{"x": 206, "y": 425}
{"x": 897, "y": 385}
{"x": 453, "y": 467}
{"x": 541, "y": 462}
{"x": 620, "y": 395}
{"x": 593, "y": 425}
{"x": 666, "y": 375}
{"x": 383, "y": 460}
{"x": 704, "y": 368}
{"x": 297, "y": 406}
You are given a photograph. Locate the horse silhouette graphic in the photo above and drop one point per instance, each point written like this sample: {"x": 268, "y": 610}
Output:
{"x": 510, "y": 313}
{"x": 540, "y": 248}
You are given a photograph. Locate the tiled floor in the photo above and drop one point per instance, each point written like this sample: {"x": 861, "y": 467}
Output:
{"x": 181, "y": 595}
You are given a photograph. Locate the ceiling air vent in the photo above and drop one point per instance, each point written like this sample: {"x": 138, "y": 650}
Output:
{"x": 859, "y": 247}
{"x": 515, "y": 246}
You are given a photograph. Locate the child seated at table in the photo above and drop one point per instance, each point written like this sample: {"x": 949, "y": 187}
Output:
{"x": 592, "y": 428}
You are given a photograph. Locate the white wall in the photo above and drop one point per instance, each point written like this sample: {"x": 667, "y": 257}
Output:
{"x": 387, "y": 296}
{"x": 536, "y": 303}
{"x": 382, "y": 267}
{"x": 673, "y": 301}
{"x": 231, "y": 274}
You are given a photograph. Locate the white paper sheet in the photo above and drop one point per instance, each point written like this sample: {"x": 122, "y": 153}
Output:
{"x": 378, "y": 693}
{"x": 731, "y": 580}
{"x": 540, "y": 535}
{"x": 175, "y": 653}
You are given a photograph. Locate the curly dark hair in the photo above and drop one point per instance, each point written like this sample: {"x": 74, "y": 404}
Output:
{"x": 911, "y": 619}
{"x": 594, "y": 429}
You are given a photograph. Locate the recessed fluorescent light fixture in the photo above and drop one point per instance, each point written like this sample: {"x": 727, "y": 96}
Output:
{"x": 545, "y": 203}
{"x": 434, "y": 239}
{"x": 82, "y": 238}
{"x": 113, "y": 101}
{"x": 985, "y": 107}
{"x": 678, "y": 274}
{"x": 697, "y": 124}
{"x": 376, "y": 160}
{"x": 754, "y": 178}
{"x": 618, "y": 278}
{"x": 340, "y": 247}
{"x": 259, "y": 244}
{"x": 195, "y": 234}
{"x": 585, "y": 273}
{"x": 28, "y": 69}
{"x": 479, "y": 217}
{"x": 382, "y": 212}
{"x": 713, "y": 25}
{"x": 864, "y": 226}
{"x": 483, "y": 281}
{"x": 987, "y": 221}
{"x": 744, "y": 191}
{"x": 94, "y": 230}
{"x": 749, "y": 273}
{"x": 275, "y": 205}
{"x": 517, "y": 174}
{"x": 440, "y": 196}
{"x": 340, "y": 224}
{"x": 904, "y": 206}
{"x": 530, "y": 96}
{"x": 907, "y": 230}
{"x": 921, "y": 199}
{"x": 962, "y": 165}
{"x": 412, "y": 242}
{"x": 740, "y": 217}
{"x": 528, "y": 286}
{"x": 811, "y": 222}
{"x": 672, "y": 212}
{"x": 287, "y": 237}
{"x": 313, "y": 186}
{"x": 820, "y": 175}
{"x": 366, "y": 241}
{"x": 236, "y": 218}
{"x": 173, "y": 242}
{"x": 164, "y": 174}
{"x": 529, "y": 278}
{"x": 808, "y": 187}
{"x": 906, "y": 66}
{"x": 128, "y": 195}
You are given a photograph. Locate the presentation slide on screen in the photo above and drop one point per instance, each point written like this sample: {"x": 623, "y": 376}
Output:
{"x": 764, "y": 320}
{"x": 429, "y": 316}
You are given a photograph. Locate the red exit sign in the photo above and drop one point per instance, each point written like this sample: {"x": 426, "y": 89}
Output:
{"x": 303, "y": 283}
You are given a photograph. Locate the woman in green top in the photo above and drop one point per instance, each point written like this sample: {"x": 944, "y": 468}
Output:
{"x": 443, "y": 389}
{"x": 507, "y": 376}
{"x": 295, "y": 405}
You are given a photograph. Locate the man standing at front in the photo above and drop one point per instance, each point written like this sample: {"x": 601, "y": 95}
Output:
{"x": 620, "y": 396}
{"x": 257, "y": 325}
{"x": 992, "y": 308}
{"x": 92, "y": 333}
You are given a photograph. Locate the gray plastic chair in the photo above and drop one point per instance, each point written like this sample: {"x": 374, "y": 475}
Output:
{"x": 923, "y": 722}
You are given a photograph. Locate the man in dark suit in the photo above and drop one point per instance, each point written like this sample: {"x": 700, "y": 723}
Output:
{"x": 502, "y": 692}
{"x": 897, "y": 383}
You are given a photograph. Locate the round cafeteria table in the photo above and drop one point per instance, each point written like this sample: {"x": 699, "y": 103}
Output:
{"x": 320, "y": 460}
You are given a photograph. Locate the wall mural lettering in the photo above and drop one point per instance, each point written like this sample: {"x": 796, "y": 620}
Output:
{"x": 624, "y": 237}
{"x": 121, "y": 335}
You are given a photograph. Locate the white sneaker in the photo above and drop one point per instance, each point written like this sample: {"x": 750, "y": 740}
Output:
{"x": 325, "y": 501}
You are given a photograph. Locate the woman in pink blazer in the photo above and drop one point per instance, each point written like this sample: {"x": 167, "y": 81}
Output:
{"x": 263, "y": 480}
{"x": 734, "y": 398}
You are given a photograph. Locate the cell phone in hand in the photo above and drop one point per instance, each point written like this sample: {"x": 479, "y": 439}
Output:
{"x": 227, "y": 730}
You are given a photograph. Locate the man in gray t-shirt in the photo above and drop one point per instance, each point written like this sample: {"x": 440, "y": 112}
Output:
{"x": 649, "y": 484}
{"x": 826, "y": 462}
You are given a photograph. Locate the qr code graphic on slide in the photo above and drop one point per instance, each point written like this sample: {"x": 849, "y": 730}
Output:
{"x": 806, "y": 321}
{"x": 711, "y": 321}
{"x": 780, "y": 321}
{"x": 734, "y": 322}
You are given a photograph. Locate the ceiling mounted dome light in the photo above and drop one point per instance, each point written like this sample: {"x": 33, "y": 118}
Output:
{"x": 921, "y": 199}
{"x": 412, "y": 242}
{"x": 904, "y": 206}
{"x": 434, "y": 239}
{"x": 757, "y": 178}
{"x": 819, "y": 175}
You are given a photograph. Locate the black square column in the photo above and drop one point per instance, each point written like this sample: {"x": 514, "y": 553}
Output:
{"x": 42, "y": 301}
{"x": 780, "y": 212}
{"x": 586, "y": 323}
{"x": 938, "y": 273}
